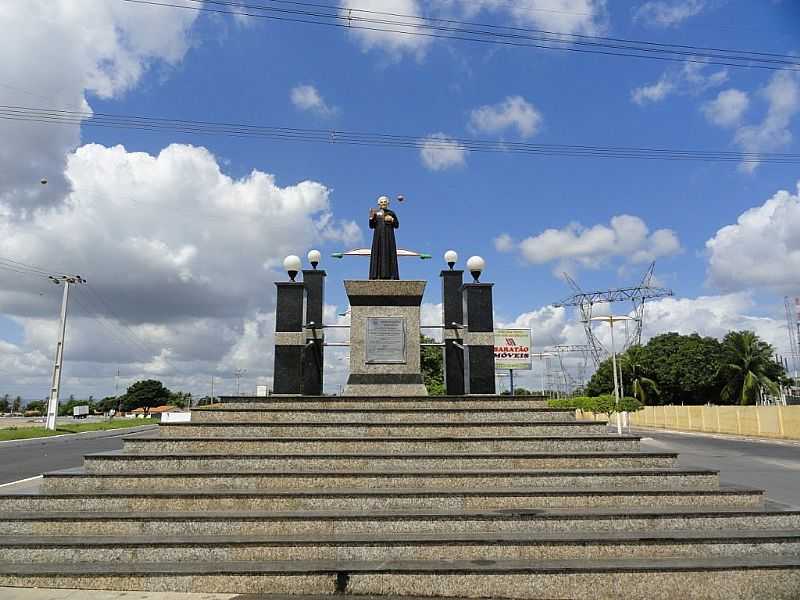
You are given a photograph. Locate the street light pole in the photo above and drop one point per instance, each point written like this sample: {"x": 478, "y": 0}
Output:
{"x": 610, "y": 320}
{"x": 58, "y": 363}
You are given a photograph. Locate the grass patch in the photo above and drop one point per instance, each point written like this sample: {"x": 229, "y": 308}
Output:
{"x": 25, "y": 433}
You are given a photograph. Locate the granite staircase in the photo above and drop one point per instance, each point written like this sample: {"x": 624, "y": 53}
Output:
{"x": 457, "y": 496}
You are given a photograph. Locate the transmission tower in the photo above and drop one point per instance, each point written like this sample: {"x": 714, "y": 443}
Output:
{"x": 570, "y": 383}
{"x": 793, "y": 326}
{"x": 637, "y": 296}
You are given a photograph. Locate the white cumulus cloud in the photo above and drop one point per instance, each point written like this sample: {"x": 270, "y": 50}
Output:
{"x": 440, "y": 152}
{"x": 668, "y": 13}
{"x": 512, "y": 113}
{"x": 306, "y": 97}
{"x": 55, "y": 52}
{"x": 761, "y": 250}
{"x": 727, "y": 109}
{"x": 626, "y": 237}
{"x": 690, "y": 79}
{"x": 180, "y": 260}
{"x": 773, "y": 133}
{"x": 404, "y": 39}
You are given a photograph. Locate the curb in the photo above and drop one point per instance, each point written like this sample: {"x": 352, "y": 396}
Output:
{"x": 82, "y": 435}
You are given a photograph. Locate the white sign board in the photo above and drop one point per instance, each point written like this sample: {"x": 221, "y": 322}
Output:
{"x": 512, "y": 349}
{"x": 261, "y": 391}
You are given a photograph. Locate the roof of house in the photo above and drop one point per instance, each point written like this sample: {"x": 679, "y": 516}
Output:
{"x": 157, "y": 409}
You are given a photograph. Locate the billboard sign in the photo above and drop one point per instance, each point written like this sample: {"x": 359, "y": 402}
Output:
{"x": 512, "y": 349}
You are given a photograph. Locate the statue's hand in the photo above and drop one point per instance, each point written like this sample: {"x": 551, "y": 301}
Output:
{"x": 388, "y": 219}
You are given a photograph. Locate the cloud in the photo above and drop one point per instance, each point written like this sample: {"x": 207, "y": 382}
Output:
{"x": 626, "y": 237}
{"x": 504, "y": 243}
{"x": 62, "y": 50}
{"x": 564, "y": 16}
{"x": 762, "y": 250}
{"x": 179, "y": 257}
{"x": 395, "y": 45}
{"x": 512, "y": 113}
{"x": 440, "y": 152}
{"x": 306, "y": 97}
{"x": 727, "y": 109}
{"x": 689, "y": 79}
{"x": 664, "y": 13}
{"x": 782, "y": 95}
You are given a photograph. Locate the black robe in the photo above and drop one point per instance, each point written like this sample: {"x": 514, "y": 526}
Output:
{"x": 383, "y": 256}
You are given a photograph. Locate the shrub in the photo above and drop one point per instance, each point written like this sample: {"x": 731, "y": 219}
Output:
{"x": 603, "y": 404}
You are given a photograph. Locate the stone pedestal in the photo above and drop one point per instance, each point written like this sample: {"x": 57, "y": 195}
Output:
{"x": 478, "y": 338}
{"x": 385, "y": 338}
{"x": 453, "y": 313}
{"x": 289, "y": 339}
{"x": 313, "y": 351}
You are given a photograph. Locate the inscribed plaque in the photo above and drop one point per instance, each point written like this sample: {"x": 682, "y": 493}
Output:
{"x": 386, "y": 340}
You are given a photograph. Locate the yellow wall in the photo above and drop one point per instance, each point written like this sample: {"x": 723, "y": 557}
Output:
{"x": 781, "y": 422}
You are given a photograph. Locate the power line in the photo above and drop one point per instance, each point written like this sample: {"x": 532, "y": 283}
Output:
{"x": 370, "y": 139}
{"x": 430, "y": 27}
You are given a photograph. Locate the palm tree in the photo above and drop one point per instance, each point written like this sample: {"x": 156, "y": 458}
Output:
{"x": 641, "y": 385}
{"x": 746, "y": 362}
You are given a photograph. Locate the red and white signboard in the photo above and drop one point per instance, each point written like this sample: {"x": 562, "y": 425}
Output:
{"x": 512, "y": 349}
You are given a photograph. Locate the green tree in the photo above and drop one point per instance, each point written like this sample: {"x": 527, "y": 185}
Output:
{"x": 747, "y": 368}
{"x": 5, "y": 406}
{"x": 17, "y": 406}
{"x": 180, "y": 399}
{"x": 37, "y": 406}
{"x": 145, "y": 394}
{"x": 432, "y": 358}
{"x": 641, "y": 386}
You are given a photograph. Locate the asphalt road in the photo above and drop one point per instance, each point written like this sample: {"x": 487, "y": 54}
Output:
{"x": 768, "y": 465}
{"x": 28, "y": 458}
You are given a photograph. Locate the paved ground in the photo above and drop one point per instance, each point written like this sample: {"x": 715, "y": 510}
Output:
{"x": 766, "y": 464}
{"x": 21, "y": 459}
{"x": 44, "y": 594}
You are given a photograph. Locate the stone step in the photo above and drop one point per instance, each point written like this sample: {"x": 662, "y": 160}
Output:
{"x": 354, "y": 429}
{"x": 379, "y": 415}
{"x": 155, "y": 444}
{"x": 430, "y": 402}
{"x": 380, "y": 499}
{"x": 743, "y": 578}
{"x": 111, "y": 462}
{"x": 271, "y": 523}
{"x": 79, "y": 480}
{"x": 538, "y": 546}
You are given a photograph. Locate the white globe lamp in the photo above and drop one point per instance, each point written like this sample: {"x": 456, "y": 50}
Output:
{"x": 314, "y": 256}
{"x": 475, "y": 265}
{"x": 451, "y": 258}
{"x": 292, "y": 264}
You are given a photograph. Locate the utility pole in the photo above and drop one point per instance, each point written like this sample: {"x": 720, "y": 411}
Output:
{"x": 238, "y": 374}
{"x": 55, "y": 387}
{"x": 212, "y": 389}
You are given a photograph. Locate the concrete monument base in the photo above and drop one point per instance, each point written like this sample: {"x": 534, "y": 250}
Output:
{"x": 385, "y": 338}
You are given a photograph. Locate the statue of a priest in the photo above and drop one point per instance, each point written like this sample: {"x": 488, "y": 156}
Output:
{"x": 383, "y": 256}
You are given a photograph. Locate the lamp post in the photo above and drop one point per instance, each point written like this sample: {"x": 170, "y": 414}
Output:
{"x": 610, "y": 319}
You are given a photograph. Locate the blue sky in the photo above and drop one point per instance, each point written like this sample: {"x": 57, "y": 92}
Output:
{"x": 602, "y": 220}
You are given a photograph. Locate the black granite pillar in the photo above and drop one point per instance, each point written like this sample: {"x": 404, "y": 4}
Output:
{"x": 289, "y": 338}
{"x": 453, "y": 319}
{"x": 313, "y": 351}
{"x": 478, "y": 338}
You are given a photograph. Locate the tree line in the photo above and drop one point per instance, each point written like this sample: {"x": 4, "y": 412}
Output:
{"x": 691, "y": 369}
{"x": 142, "y": 394}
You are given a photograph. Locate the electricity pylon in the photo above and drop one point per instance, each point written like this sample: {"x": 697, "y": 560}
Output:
{"x": 637, "y": 296}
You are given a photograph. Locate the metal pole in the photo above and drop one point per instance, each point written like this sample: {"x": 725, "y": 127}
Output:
{"x": 55, "y": 388}
{"x": 511, "y": 379}
{"x": 614, "y": 367}
{"x": 212, "y": 389}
